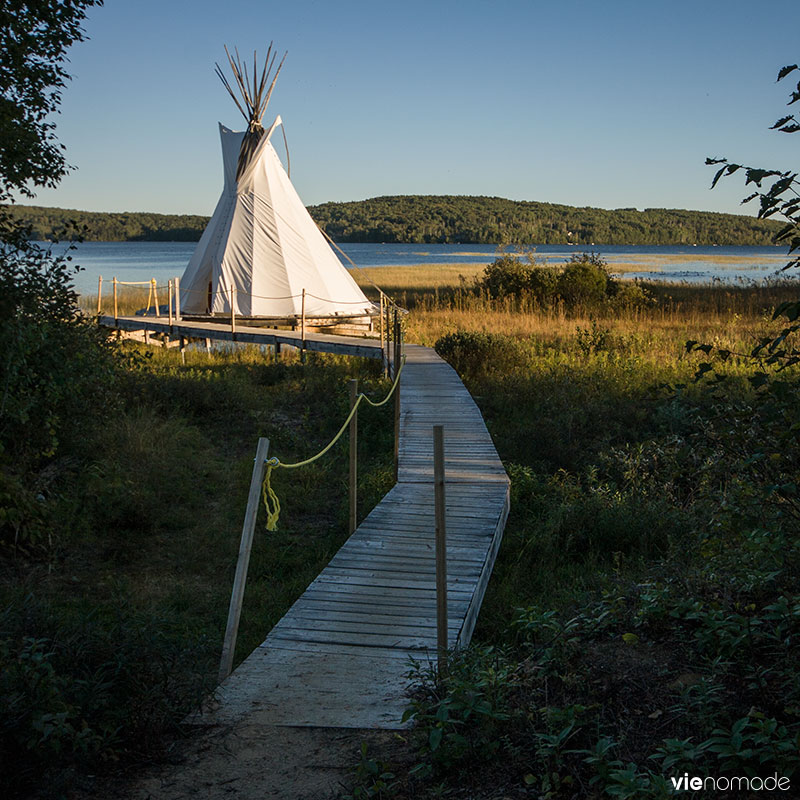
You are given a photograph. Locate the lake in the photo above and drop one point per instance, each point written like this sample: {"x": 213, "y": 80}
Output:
{"x": 140, "y": 261}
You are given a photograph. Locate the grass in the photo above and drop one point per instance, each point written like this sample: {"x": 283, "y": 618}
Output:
{"x": 147, "y": 515}
{"x": 632, "y": 557}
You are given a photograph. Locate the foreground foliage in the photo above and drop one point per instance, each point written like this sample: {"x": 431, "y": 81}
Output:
{"x": 642, "y": 620}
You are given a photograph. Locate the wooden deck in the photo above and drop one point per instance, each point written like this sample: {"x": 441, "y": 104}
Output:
{"x": 221, "y": 331}
{"x": 340, "y": 656}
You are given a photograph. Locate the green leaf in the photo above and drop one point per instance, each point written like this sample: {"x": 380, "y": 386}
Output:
{"x": 435, "y": 739}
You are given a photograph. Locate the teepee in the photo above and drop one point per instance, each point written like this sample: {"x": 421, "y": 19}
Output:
{"x": 261, "y": 250}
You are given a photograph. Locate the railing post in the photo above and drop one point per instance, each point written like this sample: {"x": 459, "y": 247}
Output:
{"x": 353, "y": 457}
{"x": 388, "y": 341}
{"x": 245, "y": 546}
{"x": 116, "y": 315}
{"x": 169, "y": 303}
{"x": 441, "y": 549}
{"x": 233, "y": 312}
{"x": 303, "y": 327}
{"x": 155, "y": 296}
{"x": 383, "y": 350}
{"x": 99, "y": 293}
{"x": 397, "y": 432}
{"x": 177, "y": 283}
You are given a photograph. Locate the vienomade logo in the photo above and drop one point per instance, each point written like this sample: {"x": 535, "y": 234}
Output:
{"x": 687, "y": 783}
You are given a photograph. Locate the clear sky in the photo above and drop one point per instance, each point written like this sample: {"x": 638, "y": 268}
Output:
{"x": 610, "y": 104}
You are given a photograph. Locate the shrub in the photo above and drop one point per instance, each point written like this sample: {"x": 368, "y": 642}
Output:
{"x": 507, "y": 276}
{"x": 472, "y": 354}
{"x": 584, "y": 281}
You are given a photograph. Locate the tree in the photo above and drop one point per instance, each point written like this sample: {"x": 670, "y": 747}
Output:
{"x": 780, "y": 194}
{"x": 34, "y": 38}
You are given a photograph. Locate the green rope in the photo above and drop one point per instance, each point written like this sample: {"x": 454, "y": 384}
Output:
{"x": 271, "y": 501}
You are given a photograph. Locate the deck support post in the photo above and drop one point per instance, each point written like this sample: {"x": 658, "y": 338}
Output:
{"x": 248, "y": 529}
{"x": 99, "y": 294}
{"x": 441, "y": 549}
{"x": 303, "y": 327}
{"x": 208, "y": 347}
{"x": 183, "y": 349}
{"x": 353, "y": 457}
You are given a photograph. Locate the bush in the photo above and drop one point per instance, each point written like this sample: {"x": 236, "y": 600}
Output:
{"x": 507, "y": 276}
{"x": 83, "y": 687}
{"x": 584, "y": 281}
{"x": 473, "y": 354}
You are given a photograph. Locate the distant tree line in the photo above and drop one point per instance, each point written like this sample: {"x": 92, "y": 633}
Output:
{"x": 447, "y": 219}
{"x": 99, "y": 226}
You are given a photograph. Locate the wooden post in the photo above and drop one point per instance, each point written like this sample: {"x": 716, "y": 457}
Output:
{"x": 396, "y": 432}
{"x": 147, "y": 337}
{"x": 169, "y": 302}
{"x": 353, "y": 458}
{"x": 183, "y": 349}
{"x": 396, "y": 352}
{"x": 277, "y": 352}
{"x": 99, "y": 293}
{"x": 383, "y": 351}
{"x": 248, "y": 528}
{"x": 441, "y": 549}
{"x": 177, "y": 284}
{"x": 303, "y": 328}
{"x": 388, "y": 339}
{"x": 155, "y": 297}
{"x": 233, "y": 313}
{"x": 116, "y": 315}
{"x": 208, "y": 347}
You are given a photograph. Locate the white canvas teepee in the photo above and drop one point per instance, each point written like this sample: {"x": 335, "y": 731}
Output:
{"x": 261, "y": 240}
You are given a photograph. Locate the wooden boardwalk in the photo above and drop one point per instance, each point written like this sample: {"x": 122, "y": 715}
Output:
{"x": 340, "y": 656}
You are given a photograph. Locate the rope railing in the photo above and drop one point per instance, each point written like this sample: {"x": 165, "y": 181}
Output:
{"x": 271, "y": 502}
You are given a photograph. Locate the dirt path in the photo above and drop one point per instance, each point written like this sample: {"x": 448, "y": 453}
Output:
{"x": 253, "y": 762}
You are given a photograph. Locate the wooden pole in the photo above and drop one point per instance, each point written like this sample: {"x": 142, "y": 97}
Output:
{"x": 177, "y": 283}
{"x": 208, "y": 347}
{"x": 396, "y": 353}
{"x": 155, "y": 297}
{"x": 116, "y": 315}
{"x": 233, "y": 313}
{"x": 441, "y": 548}
{"x": 353, "y": 458}
{"x": 169, "y": 302}
{"x": 383, "y": 351}
{"x": 396, "y": 432}
{"x": 240, "y": 579}
{"x": 99, "y": 293}
{"x": 388, "y": 340}
{"x": 303, "y": 327}
{"x": 183, "y": 349}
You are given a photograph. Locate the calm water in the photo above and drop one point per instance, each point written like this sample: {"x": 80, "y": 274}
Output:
{"x": 140, "y": 261}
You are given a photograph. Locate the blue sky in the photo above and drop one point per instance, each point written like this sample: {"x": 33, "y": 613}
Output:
{"x": 613, "y": 104}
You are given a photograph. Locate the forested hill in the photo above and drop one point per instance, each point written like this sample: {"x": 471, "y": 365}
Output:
{"x": 429, "y": 218}
{"x": 493, "y": 220}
